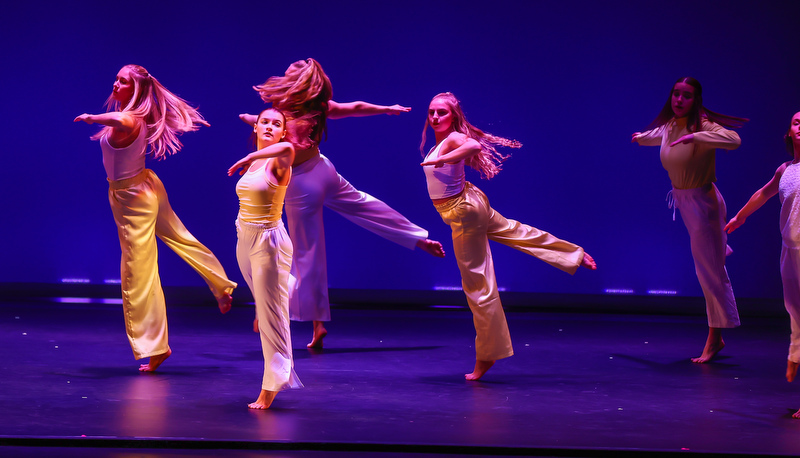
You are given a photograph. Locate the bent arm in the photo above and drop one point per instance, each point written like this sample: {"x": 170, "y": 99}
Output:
{"x": 338, "y": 110}
{"x": 456, "y": 147}
{"x": 284, "y": 151}
{"x": 717, "y": 136}
{"x": 648, "y": 138}
{"x": 757, "y": 200}
{"x": 117, "y": 120}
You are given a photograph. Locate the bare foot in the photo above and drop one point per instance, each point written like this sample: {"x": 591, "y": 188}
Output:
{"x": 588, "y": 262}
{"x": 255, "y": 325}
{"x": 796, "y": 414}
{"x": 264, "y": 400}
{"x": 711, "y": 350}
{"x": 155, "y": 361}
{"x": 319, "y": 333}
{"x": 432, "y": 247}
{"x": 480, "y": 368}
{"x": 224, "y": 303}
{"x": 791, "y": 372}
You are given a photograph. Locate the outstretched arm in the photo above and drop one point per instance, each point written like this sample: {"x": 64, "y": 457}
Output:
{"x": 338, "y": 110}
{"x": 456, "y": 147}
{"x": 756, "y": 200}
{"x": 648, "y": 138}
{"x": 282, "y": 150}
{"x": 117, "y": 120}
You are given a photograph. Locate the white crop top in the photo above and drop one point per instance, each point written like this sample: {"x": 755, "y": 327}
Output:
{"x": 445, "y": 181}
{"x": 123, "y": 163}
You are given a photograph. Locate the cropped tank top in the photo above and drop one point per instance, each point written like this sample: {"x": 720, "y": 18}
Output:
{"x": 789, "y": 194}
{"x": 445, "y": 181}
{"x": 123, "y": 163}
{"x": 260, "y": 200}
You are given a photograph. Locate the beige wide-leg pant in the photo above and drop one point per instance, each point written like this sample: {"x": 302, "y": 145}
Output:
{"x": 703, "y": 212}
{"x": 264, "y": 252}
{"x": 141, "y": 210}
{"x": 790, "y": 274}
{"x": 474, "y": 223}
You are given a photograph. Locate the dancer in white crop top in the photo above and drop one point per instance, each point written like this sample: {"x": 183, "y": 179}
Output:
{"x": 785, "y": 183}
{"x": 146, "y": 114}
{"x": 264, "y": 250}
{"x": 688, "y": 135}
{"x": 473, "y": 222}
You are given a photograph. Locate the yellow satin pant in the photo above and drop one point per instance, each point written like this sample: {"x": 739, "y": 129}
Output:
{"x": 141, "y": 210}
{"x": 474, "y": 223}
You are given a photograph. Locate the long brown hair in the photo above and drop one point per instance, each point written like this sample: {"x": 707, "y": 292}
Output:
{"x": 302, "y": 93}
{"x": 695, "y": 117}
{"x": 164, "y": 114}
{"x": 488, "y": 161}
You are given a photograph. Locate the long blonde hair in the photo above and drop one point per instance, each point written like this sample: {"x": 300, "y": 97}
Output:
{"x": 165, "y": 115}
{"x": 488, "y": 161}
{"x": 303, "y": 94}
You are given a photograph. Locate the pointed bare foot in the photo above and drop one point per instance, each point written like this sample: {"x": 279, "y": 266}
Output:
{"x": 319, "y": 333}
{"x": 796, "y": 414}
{"x": 480, "y": 368}
{"x": 155, "y": 361}
{"x": 432, "y": 247}
{"x": 711, "y": 350}
{"x": 224, "y": 302}
{"x": 264, "y": 400}
{"x": 588, "y": 262}
{"x": 255, "y": 325}
{"x": 791, "y": 371}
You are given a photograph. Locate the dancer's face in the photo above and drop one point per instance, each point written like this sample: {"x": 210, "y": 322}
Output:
{"x": 794, "y": 130}
{"x": 440, "y": 116}
{"x": 270, "y": 128}
{"x": 682, "y": 99}
{"x": 123, "y": 86}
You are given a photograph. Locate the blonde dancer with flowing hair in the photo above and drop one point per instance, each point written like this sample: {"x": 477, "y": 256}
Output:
{"x": 144, "y": 114}
{"x": 474, "y": 223}
{"x": 304, "y": 94}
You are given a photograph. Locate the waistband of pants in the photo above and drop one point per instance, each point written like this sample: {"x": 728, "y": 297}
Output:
{"x": 455, "y": 200}
{"x": 258, "y": 226}
{"x": 128, "y": 182}
{"x": 674, "y": 196}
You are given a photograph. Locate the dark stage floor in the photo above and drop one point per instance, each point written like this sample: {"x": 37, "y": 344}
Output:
{"x": 390, "y": 383}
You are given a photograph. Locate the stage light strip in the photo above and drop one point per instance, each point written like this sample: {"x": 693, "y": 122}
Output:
{"x": 619, "y": 291}
{"x": 87, "y": 300}
{"x": 75, "y": 280}
{"x": 662, "y": 292}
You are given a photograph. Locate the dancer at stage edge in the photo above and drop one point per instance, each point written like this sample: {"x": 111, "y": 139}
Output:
{"x": 689, "y": 134}
{"x": 304, "y": 94}
{"x": 144, "y": 113}
{"x": 473, "y": 221}
{"x": 786, "y": 183}
{"x": 264, "y": 250}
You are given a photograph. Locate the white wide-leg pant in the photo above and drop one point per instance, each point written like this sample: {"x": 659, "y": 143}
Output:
{"x": 315, "y": 184}
{"x": 474, "y": 223}
{"x": 141, "y": 210}
{"x": 703, "y": 212}
{"x": 264, "y": 252}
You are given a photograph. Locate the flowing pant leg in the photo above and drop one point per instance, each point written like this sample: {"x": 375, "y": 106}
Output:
{"x": 264, "y": 254}
{"x": 469, "y": 219}
{"x": 790, "y": 274}
{"x": 134, "y": 203}
{"x": 174, "y": 234}
{"x": 315, "y": 183}
{"x": 703, "y": 212}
